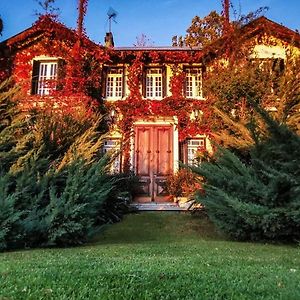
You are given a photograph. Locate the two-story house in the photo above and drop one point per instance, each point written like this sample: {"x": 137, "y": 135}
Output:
{"x": 154, "y": 96}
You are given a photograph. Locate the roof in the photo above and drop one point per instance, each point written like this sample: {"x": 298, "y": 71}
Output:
{"x": 265, "y": 25}
{"x": 157, "y": 48}
{"x": 256, "y": 28}
{"x": 45, "y": 24}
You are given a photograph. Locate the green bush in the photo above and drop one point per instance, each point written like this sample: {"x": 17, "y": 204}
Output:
{"x": 58, "y": 208}
{"x": 261, "y": 199}
{"x": 55, "y": 186}
{"x": 10, "y": 217}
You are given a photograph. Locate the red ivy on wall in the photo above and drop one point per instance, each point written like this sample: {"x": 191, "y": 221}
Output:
{"x": 84, "y": 61}
{"x": 134, "y": 107}
{"x": 49, "y": 38}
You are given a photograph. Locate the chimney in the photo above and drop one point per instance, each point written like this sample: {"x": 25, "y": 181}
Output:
{"x": 109, "y": 40}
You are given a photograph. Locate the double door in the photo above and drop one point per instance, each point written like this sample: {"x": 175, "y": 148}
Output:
{"x": 153, "y": 158}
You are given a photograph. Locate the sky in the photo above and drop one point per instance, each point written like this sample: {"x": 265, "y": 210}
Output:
{"x": 159, "y": 20}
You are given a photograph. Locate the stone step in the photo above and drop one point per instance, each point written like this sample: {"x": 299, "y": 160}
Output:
{"x": 163, "y": 206}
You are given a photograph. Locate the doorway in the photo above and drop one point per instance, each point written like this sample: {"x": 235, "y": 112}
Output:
{"x": 153, "y": 160}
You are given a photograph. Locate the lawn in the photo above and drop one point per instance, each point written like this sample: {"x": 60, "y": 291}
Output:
{"x": 154, "y": 256}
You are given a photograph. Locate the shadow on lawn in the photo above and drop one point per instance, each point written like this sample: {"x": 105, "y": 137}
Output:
{"x": 159, "y": 227}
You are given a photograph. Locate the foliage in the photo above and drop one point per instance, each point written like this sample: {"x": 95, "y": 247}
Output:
{"x": 82, "y": 8}
{"x": 142, "y": 258}
{"x": 134, "y": 106}
{"x": 229, "y": 87}
{"x": 288, "y": 90}
{"x": 251, "y": 16}
{"x": 204, "y": 31}
{"x": 143, "y": 40}
{"x": 79, "y": 88}
{"x": 183, "y": 183}
{"x": 55, "y": 187}
{"x": 10, "y": 217}
{"x": 48, "y": 8}
{"x": 78, "y": 66}
{"x": 259, "y": 199}
{"x": 7, "y": 103}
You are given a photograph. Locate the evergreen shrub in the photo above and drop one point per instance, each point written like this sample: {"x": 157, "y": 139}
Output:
{"x": 259, "y": 199}
{"x": 55, "y": 184}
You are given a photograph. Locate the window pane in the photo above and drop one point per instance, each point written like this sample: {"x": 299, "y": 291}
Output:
{"x": 194, "y": 147}
{"x": 154, "y": 83}
{"x": 47, "y": 77}
{"x": 114, "y": 83}
{"x": 193, "y": 82}
{"x": 109, "y": 147}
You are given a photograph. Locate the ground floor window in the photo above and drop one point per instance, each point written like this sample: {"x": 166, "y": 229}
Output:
{"x": 112, "y": 147}
{"x": 191, "y": 151}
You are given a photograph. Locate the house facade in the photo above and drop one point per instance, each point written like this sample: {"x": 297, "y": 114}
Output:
{"x": 156, "y": 108}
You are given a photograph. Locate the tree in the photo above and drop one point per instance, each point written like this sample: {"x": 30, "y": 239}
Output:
{"x": 143, "y": 41}
{"x": 230, "y": 87}
{"x": 202, "y": 31}
{"x": 48, "y": 8}
{"x": 55, "y": 186}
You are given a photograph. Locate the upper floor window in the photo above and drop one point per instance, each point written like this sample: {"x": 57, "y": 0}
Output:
{"x": 154, "y": 83}
{"x": 193, "y": 83}
{"x": 45, "y": 75}
{"x": 114, "y": 83}
{"x": 272, "y": 69}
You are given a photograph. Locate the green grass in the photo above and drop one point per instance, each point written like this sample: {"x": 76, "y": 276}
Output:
{"x": 154, "y": 256}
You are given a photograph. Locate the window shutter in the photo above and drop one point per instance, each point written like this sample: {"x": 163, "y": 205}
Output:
{"x": 61, "y": 74}
{"x": 182, "y": 150}
{"x": 35, "y": 77}
{"x": 184, "y": 83}
{"x": 144, "y": 80}
{"x": 103, "y": 81}
{"x": 164, "y": 81}
{"x": 203, "y": 70}
{"x": 123, "y": 82}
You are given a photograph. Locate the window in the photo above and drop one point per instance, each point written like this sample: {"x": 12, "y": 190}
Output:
{"x": 272, "y": 68}
{"x": 193, "y": 83}
{"x": 154, "y": 83}
{"x": 194, "y": 147}
{"x": 115, "y": 83}
{"x": 113, "y": 147}
{"x": 45, "y": 75}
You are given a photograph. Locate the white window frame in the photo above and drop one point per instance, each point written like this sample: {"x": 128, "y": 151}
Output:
{"x": 194, "y": 82}
{"x": 47, "y": 77}
{"x": 154, "y": 83}
{"x": 111, "y": 146}
{"x": 114, "y": 84}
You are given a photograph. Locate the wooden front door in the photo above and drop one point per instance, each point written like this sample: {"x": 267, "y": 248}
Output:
{"x": 153, "y": 161}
